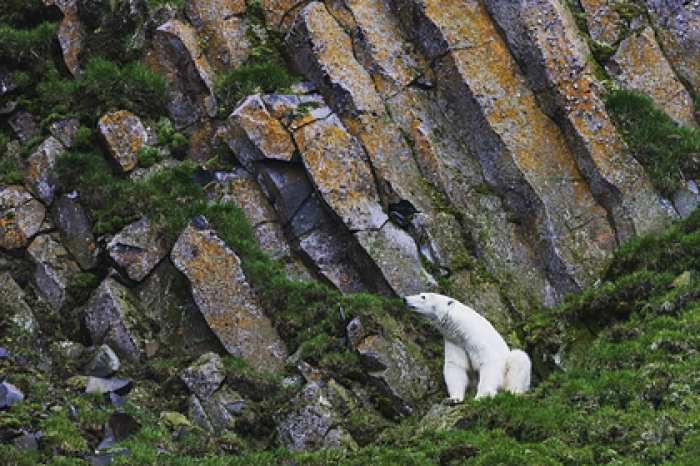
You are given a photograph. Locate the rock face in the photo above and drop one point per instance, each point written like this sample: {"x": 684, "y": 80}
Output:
{"x": 124, "y": 134}
{"x": 138, "y": 248}
{"x": 225, "y": 298}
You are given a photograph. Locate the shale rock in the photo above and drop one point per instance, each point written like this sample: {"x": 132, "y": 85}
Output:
{"x": 55, "y": 268}
{"x": 124, "y": 134}
{"x": 21, "y": 217}
{"x": 138, "y": 248}
{"x": 226, "y": 299}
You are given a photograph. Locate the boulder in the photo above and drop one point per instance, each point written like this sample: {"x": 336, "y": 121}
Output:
{"x": 226, "y": 299}
{"x": 123, "y": 134}
{"x": 15, "y": 307}
{"x": 205, "y": 376}
{"x": 55, "y": 269}
{"x": 114, "y": 316}
{"x": 21, "y": 217}
{"x": 396, "y": 369}
{"x": 138, "y": 248}
{"x": 104, "y": 362}
{"x": 313, "y": 423}
{"x": 255, "y": 135}
{"x": 40, "y": 172}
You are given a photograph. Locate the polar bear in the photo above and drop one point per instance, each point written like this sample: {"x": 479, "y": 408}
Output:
{"x": 472, "y": 345}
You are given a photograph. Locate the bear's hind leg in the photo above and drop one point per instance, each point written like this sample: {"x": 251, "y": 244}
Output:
{"x": 455, "y": 372}
{"x": 490, "y": 379}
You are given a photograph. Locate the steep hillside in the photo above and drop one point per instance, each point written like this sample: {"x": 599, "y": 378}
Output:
{"x": 209, "y": 209}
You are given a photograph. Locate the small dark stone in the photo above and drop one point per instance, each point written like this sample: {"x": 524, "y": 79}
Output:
{"x": 9, "y": 395}
{"x": 26, "y": 442}
{"x": 200, "y": 223}
{"x": 103, "y": 459}
{"x": 122, "y": 425}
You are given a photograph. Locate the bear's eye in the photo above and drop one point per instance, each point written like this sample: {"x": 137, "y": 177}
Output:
{"x": 450, "y": 303}
{"x": 422, "y": 296}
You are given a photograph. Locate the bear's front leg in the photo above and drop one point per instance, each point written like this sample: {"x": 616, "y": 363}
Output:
{"x": 455, "y": 371}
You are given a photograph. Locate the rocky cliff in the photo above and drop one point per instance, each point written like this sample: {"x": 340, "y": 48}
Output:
{"x": 372, "y": 147}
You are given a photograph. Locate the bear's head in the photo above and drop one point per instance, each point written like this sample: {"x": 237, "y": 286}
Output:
{"x": 432, "y": 305}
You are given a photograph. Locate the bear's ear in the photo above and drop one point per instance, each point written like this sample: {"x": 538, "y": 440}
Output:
{"x": 450, "y": 302}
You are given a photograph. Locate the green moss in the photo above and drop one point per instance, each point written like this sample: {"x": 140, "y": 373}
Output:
{"x": 255, "y": 78}
{"x": 601, "y": 51}
{"x": 148, "y": 156}
{"x": 10, "y": 172}
{"x": 628, "y": 10}
{"x": 19, "y": 45}
{"x": 660, "y": 146}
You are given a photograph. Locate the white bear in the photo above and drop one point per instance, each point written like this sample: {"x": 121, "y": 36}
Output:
{"x": 472, "y": 345}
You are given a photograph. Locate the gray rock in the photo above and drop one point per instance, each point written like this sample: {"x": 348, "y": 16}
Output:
{"x": 7, "y": 83}
{"x": 686, "y": 199}
{"x": 24, "y": 126}
{"x": 101, "y": 385}
{"x": 55, "y": 269}
{"x": 75, "y": 229}
{"x": 138, "y": 248}
{"x": 104, "y": 362}
{"x": 21, "y": 215}
{"x": 205, "y": 376}
{"x": 397, "y": 369}
{"x": 114, "y": 316}
{"x": 69, "y": 350}
{"x": 14, "y": 305}
{"x": 217, "y": 412}
{"x": 65, "y": 130}
{"x": 313, "y": 423}
{"x": 40, "y": 172}
{"x": 9, "y": 395}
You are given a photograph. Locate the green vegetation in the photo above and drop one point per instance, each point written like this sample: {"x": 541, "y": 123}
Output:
{"x": 148, "y": 156}
{"x": 83, "y": 138}
{"x": 20, "y": 44}
{"x": 265, "y": 72}
{"x": 662, "y": 147}
{"x": 155, "y": 4}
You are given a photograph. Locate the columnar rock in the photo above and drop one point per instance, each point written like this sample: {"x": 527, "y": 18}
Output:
{"x": 75, "y": 230}
{"x": 222, "y": 25}
{"x": 21, "y": 217}
{"x": 114, "y": 316}
{"x": 55, "y": 268}
{"x": 255, "y": 135}
{"x": 241, "y": 188}
{"x": 279, "y": 14}
{"x": 406, "y": 83}
{"x": 177, "y": 55}
{"x": 266, "y": 148}
{"x": 543, "y": 37}
{"x": 602, "y": 19}
{"x": 523, "y": 154}
{"x": 678, "y": 25}
{"x": 640, "y": 65}
{"x": 124, "y": 134}
{"x": 40, "y": 172}
{"x": 226, "y": 299}
{"x": 71, "y": 33}
{"x": 138, "y": 248}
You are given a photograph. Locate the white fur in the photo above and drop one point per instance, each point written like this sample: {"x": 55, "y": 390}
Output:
{"x": 472, "y": 345}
